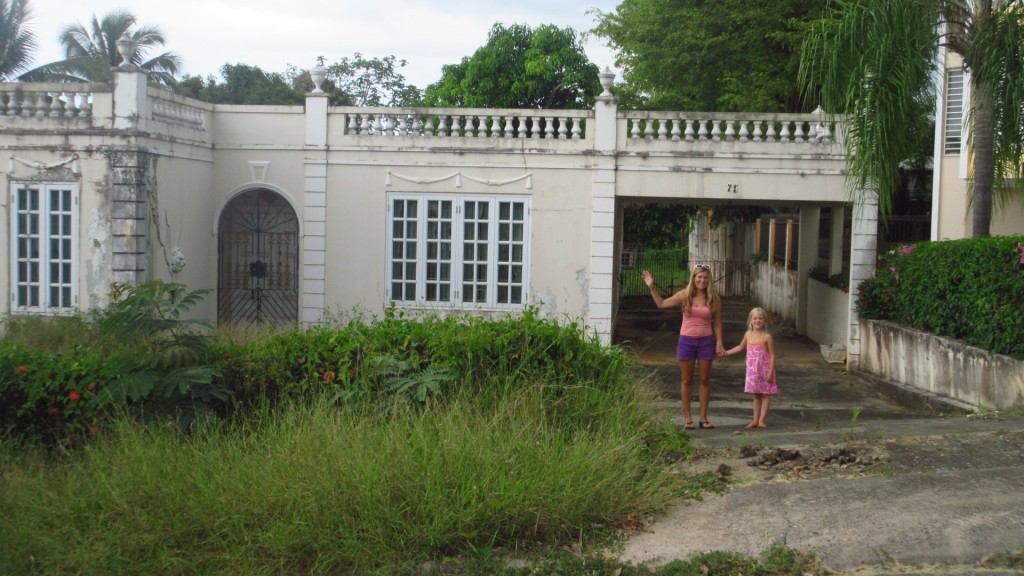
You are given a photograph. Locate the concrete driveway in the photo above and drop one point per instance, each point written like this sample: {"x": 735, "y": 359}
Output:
{"x": 868, "y": 483}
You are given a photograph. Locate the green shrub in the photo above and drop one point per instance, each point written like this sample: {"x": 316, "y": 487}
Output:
{"x": 971, "y": 290}
{"x": 138, "y": 354}
{"x": 820, "y": 272}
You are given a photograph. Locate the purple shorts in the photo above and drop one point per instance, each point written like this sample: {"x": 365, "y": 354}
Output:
{"x": 702, "y": 348}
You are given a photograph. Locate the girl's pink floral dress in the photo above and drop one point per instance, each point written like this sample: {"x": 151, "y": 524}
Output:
{"x": 758, "y": 361}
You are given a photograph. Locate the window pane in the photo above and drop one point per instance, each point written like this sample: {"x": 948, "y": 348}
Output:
{"x": 397, "y": 250}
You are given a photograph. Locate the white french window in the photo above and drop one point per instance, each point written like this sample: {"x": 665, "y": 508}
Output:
{"x": 44, "y": 263}
{"x": 464, "y": 252}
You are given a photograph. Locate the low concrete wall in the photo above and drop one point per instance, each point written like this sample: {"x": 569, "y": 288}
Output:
{"x": 775, "y": 289}
{"x": 941, "y": 366}
{"x": 829, "y": 313}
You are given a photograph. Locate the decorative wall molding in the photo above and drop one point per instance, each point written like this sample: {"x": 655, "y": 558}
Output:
{"x": 40, "y": 166}
{"x": 458, "y": 176}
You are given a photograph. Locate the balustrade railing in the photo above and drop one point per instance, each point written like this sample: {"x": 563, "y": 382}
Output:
{"x": 166, "y": 108}
{"x": 469, "y": 123}
{"x": 721, "y": 127}
{"x": 72, "y": 100}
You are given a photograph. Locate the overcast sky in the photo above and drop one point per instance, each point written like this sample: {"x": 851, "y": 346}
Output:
{"x": 272, "y": 34}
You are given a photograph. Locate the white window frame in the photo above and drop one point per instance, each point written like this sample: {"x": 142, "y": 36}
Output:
{"x": 44, "y": 247}
{"x": 416, "y": 244}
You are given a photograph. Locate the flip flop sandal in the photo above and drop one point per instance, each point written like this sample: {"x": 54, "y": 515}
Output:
{"x": 706, "y": 425}
{"x": 690, "y": 426}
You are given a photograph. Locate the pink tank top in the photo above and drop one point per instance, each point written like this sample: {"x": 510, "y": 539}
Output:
{"x": 696, "y": 323}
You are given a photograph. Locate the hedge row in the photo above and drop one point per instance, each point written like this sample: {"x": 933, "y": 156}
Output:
{"x": 970, "y": 290}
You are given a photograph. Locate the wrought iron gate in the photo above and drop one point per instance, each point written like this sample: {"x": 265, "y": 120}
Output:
{"x": 257, "y": 280}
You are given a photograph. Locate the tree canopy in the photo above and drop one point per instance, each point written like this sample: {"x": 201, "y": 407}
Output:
{"x": 241, "y": 84}
{"x": 356, "y": 81}
{"x": 90, "y": 53}
{"x": 710, "y": 55}
{"x": 520, "y": 67}
{"x": 17, "y": 40}
{"x": 874, "y": 61}
{"x": 362, "y": 81}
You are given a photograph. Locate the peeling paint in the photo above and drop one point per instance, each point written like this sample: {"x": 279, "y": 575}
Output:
{"x": 99, "y": 234}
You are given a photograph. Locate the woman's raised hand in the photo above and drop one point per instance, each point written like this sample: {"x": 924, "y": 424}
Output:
{"x": 648, "y": 278}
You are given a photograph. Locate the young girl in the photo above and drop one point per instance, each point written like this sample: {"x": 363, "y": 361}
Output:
{"x": 760, "y": 365}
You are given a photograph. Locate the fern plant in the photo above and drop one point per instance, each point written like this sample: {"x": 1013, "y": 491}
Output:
{"x": 164, "y": 369}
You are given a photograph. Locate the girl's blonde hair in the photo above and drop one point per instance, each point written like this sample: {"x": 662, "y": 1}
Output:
{"x": 750, "y": 317}
{"x": 691, "y": 289}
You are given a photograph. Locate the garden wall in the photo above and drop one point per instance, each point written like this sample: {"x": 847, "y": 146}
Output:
{"x": 774, "y": 288}
{"x": 941, "y": 366}
{"x": 828, "y": 322}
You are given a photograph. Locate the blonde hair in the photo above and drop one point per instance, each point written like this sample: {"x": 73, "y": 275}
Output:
{"x": 691, "y": 289}
{"x": 750, "y": 318}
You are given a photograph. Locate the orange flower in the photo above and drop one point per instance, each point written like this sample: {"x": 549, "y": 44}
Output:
{"x": 91, "y": 388}
{"x": 74, "y": 395}
{"x": 22, "y": 369}
{"x": 94, "y": 430}
{"x": 328, "y": 376}
{"x": 54, "y": 411}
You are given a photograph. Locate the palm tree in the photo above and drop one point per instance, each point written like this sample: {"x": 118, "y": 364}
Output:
{"x": 875, "y": 61}
{"x": 89, "y": 57}
{"x": 17, "y": 41}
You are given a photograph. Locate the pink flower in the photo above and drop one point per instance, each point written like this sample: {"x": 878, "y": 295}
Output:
{"x": 1020, "y": 248}
{"x": 906, "y": 249}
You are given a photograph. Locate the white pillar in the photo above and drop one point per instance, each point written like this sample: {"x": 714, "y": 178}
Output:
{"x": 130, "y": 98}
{"x": 314, "y": 210}
{"x": 838, "y": 233}
{"x": 863, "y": 256}
{"x": 806, "y": 258}
{"x": 602, "y": 224}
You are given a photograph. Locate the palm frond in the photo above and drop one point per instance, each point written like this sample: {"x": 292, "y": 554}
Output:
{"x": 873, "y": 63}
{"x": 998, "y": 55}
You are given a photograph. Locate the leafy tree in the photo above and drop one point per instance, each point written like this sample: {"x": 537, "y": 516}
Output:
{"x": 241, "y": 84}
{"x": 709, "y": 55}
{"x": 362, "y": 81}
{"x": 17, "y": 41}
{"x": 89, "y": 55}
{"x": 874, "y": 61}
{"x": 520, "y": 67}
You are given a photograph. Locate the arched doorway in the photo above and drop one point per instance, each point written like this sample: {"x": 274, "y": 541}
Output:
{"x": 258, "y": 254}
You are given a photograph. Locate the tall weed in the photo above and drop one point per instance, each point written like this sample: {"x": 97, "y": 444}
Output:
{"x": 316, "y": 489}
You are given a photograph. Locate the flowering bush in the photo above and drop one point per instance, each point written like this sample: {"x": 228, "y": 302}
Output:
{"x": 971, "y": 289}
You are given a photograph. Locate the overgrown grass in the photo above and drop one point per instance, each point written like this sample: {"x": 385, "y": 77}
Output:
{"x": 321, "y": 490}
{"x": 392, "y": 446}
